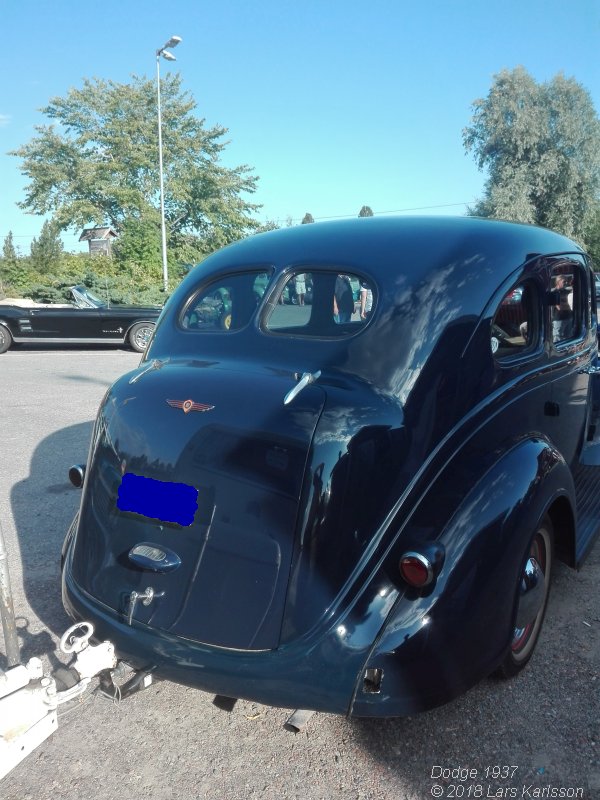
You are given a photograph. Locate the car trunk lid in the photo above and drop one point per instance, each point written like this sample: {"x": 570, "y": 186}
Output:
{"x": 217, "y": 443}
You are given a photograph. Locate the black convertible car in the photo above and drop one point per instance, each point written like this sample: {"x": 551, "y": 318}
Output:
{"x": 86, "y": 320}
{"x": 347, "y": 506}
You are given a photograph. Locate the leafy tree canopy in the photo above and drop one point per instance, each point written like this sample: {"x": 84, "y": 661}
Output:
{"x": 139, "y": 241}
{"x": 592, "y": 238}
{"x": 307, "y": 219}
{"x": 540, "y": 144}
{"x": 366, "y": 211}
{"x": 97, "y": 163}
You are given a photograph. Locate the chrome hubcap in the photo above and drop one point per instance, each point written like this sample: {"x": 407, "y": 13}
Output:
{"x": 532, "y": 596}
{"x": 142, "y": 336}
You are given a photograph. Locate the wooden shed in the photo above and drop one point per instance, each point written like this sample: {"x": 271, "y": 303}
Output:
{"x": 99, "y": 240}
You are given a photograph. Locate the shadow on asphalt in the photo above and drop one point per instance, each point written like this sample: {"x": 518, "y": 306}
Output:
{"x": 43, "y": 505}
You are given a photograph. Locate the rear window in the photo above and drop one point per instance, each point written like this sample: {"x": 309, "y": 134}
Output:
{"x": 322, "y": 304}
{"x": 226, "y": 304}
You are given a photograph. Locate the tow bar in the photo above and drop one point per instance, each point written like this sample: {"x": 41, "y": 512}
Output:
{"x": 29, "y": 698}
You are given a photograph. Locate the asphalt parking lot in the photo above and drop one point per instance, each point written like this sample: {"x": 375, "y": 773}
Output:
{"x": 171, "y": 742}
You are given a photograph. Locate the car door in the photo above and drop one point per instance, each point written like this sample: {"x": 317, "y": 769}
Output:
{"x": 520, "y": 384}
{"x": 65, "y": 323}
{"x": 571, "y": 344}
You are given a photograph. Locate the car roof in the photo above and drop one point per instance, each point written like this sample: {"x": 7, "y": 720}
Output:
{"x": 415, "y": 246}
{"x": 433, "y": 276}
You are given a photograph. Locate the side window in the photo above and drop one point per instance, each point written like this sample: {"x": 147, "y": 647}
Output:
{"x": 226, "y": 304}
{"x": 516, "y": 326}
{"x": 566, "y": 302}
{"x": 326, "y": 303}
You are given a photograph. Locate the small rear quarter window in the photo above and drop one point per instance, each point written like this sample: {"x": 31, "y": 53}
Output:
{"x": 225, "y": 304}
{"x": 516, "y": 326}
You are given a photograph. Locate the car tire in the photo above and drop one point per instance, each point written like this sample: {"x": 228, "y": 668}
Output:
{"x": 5, "y": 339}
{"x": 139, "y": 335}
{"x": 536, "y": 568}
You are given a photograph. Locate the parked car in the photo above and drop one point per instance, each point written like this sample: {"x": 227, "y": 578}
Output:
{"x": 357, "y": 517}
{"x": 85, "y": 320}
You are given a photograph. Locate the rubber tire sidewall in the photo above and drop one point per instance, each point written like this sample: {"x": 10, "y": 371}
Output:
{"x": 510, "y": 666}
{"x": 5, "y": 339}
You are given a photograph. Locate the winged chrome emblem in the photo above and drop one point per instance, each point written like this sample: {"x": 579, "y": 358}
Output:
{"x": 189, "y": 405}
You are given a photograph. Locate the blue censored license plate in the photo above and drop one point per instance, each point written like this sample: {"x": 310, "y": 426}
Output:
{"x": 161, "y": 500}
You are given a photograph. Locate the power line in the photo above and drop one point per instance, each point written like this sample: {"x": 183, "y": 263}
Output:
{"x": 33, "y": 235}
{"x": 394, "y": 211}
{"x": 293, "y": 219}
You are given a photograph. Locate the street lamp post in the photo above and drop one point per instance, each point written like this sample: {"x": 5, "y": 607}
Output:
{"x": 173, "y": 42}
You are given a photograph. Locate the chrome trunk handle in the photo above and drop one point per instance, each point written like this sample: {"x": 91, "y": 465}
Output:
{"x": 307, "y": 377}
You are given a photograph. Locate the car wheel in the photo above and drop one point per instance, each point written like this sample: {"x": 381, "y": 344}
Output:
{"x": 225, "y": 321}
{"x": 5, "y": 339}
{"x": 139, "y": 336}
{"x": 532, "y": 598}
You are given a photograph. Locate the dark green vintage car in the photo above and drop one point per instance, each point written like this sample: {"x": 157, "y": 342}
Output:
{"x": 311, "y": 507}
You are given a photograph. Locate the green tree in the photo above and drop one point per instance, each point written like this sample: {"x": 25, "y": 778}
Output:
{"x": 307, "y": 218}
{"x": 97, "y": 162}
{"x": 9, "y": 252}
{"x": 592, "y": 238}
{"x": 13, "y": 270}
{"x": 268, "y": 225}
{"x": 540, "y": 145}
{"x": 139, "y": 243}
{"x": 47, "y": 250}
{"x": 366, "y": 211}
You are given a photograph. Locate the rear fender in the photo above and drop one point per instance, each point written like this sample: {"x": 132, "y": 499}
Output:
{"x": 437, "y": 644}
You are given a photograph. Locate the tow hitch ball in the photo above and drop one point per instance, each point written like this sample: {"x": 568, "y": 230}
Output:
{"x": 97, "y": 660}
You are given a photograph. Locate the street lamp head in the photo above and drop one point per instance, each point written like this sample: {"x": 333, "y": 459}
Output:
{"x": 173, "y": 42}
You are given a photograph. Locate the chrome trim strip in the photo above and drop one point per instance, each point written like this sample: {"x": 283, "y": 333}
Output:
{"x": 48, "y": 340}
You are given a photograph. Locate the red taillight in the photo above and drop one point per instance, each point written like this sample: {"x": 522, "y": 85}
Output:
{"x": 416, "y": 569}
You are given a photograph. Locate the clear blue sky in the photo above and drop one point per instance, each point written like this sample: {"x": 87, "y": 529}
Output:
{"x": 334, "y": 103}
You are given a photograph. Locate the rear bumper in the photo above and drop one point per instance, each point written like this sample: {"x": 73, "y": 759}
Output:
{"x": 409, "y": 647}
{"x": 319, "y": 672}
